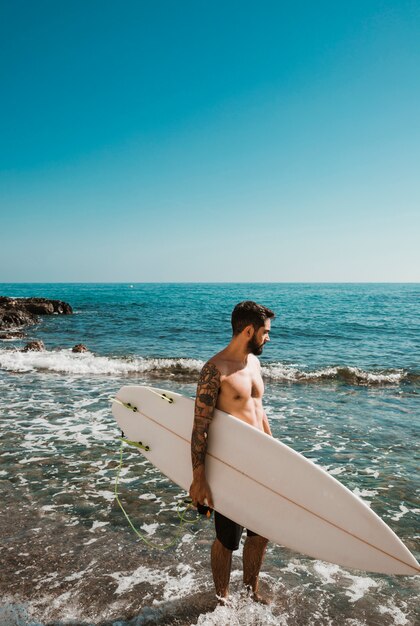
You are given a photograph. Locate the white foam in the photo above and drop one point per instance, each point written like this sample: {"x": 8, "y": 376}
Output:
{"x": 294, "y": 566}
{"x": 241, "y": 610}
{"x": 403, "y": 511}
{"x": 280, "y": 371}
{"x": 365, "y": 493}
{"x": 141, "y": 574}
{"x": 337, "y": 471}
{"x": 76, "y": 576}
{"x": 147, "y": 496}
{"x": 331, "y": 574}
{"x": 326, "y": 571}
{"x": 65, "y": 361}
{"x": 32, "y": 459}
{"x": 96, "y": 525}
{"x": 173, "y": 586}
{"x": 399, "y": 619}
{"x": 316, "y": 447}
{"x": 107, "y": 495}
{"x": 49, "y": 507}
{"x": 372, "y": 472}
{"x": 62, "y": 599}
{"x": 360, "y": 586}
{"x": 180, "y": 585}
{"x": 150, "y": 529}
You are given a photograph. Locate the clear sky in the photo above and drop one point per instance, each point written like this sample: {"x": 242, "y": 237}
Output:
{"x": 209, "y": 141}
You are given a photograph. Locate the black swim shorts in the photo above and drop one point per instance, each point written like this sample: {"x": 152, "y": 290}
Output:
{"x": 229, "y": 533}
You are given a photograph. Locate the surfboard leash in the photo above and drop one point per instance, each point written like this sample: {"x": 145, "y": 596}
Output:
{"x": 183, "y": 520}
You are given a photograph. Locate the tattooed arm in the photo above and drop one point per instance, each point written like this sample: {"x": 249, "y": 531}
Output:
{"x": 205, "y": 403}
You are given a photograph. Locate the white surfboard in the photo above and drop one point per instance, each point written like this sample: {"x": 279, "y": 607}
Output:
{"x": 263, "y": 484}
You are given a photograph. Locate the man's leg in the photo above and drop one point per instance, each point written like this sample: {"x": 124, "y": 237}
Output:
{"x": 254, "y": 550}
{"x": 221, "y": 562}
{"x": 228, "y": 536}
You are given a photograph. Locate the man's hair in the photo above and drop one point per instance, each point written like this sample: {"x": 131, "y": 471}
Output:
{"x": 248, "y": 312}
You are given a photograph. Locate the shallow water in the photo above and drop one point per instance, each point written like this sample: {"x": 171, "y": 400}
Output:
{"x": 68, "y": 554}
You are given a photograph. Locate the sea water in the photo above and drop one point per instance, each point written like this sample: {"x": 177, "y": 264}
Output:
{"x": 342, "y": 381}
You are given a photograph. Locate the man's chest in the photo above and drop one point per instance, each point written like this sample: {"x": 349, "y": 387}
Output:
{"x": 243, "y": 384}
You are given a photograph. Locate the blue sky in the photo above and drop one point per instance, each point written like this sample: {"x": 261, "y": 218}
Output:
{"x": 209, "y": 141}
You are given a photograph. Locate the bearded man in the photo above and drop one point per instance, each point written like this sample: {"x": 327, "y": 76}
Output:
{"x": 231, "y": 381}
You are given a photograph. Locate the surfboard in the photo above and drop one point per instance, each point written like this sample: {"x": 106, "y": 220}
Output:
{"x": 262, "y": 484}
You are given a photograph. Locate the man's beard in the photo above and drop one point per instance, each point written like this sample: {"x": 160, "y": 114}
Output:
{"x": 254, "y": 347}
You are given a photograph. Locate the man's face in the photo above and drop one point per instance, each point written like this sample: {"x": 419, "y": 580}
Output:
{"x": 259, "y": 338}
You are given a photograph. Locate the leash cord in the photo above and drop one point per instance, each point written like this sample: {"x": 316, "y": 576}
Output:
{"x": 181, "y": 514}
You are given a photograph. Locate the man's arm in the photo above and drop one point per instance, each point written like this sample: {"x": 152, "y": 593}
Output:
{"x": 266, "y": 425}
{"x": 205, "y": 403}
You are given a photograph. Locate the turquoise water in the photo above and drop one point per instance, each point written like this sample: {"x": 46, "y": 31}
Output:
{"x": 342, "y": 374}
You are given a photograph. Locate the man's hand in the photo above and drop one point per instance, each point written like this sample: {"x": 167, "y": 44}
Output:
{"x": 200, "y": 491}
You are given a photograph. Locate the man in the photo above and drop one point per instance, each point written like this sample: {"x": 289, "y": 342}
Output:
{"x": 231, "y": 381}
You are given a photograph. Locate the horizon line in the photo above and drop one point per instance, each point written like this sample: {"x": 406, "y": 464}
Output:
{"x": 211, "y": 282}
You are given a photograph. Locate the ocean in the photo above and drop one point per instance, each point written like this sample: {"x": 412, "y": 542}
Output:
{"x": 342, "y": 383}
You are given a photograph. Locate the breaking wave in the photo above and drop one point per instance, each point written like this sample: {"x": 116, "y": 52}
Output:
{"x": 67, "y": 362}
{"x": 187, "y": 369}
{"x": 346, "y": 374}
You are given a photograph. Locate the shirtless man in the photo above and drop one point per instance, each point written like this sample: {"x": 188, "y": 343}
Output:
{"x": 231, "y": 381}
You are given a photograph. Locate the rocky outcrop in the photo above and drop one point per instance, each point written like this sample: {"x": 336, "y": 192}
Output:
{"x": 34, "y": 346}
{"x": 18, "y": 312}
{"x": 80, "y": 347}
{"x": 14, "y": 334}
{"x": 11, "y": 317}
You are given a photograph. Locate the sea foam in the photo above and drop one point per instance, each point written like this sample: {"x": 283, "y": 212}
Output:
{"x": 67, "y": 362}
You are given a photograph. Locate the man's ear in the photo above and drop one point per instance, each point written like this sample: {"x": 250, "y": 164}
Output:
{"x": 249, "y": 331}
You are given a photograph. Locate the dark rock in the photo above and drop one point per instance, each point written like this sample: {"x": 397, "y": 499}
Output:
{"x": 34, "y": 346}
{"x": 15, "y": 312}
{"x": 13, "y": 317}
{"x": 17, "y": 334}
{"x": 41, "y": 306}
{"x": 80, "y": 347}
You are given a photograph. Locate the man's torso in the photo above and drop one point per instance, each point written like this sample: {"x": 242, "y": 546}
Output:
{"x": 241, "y": 389}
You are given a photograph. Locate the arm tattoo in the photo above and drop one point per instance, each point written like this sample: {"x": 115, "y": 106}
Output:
{"x": 205, "y": 403}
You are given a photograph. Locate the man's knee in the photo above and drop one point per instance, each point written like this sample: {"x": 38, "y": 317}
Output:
{"x": 220, "y": 545}
{"x": 256, "y": 539}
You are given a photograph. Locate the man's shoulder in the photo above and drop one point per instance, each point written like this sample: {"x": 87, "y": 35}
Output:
{"x": 254, "y": 360}
{"x": 210, "y": 369}
{"x": 216, "y": 361}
